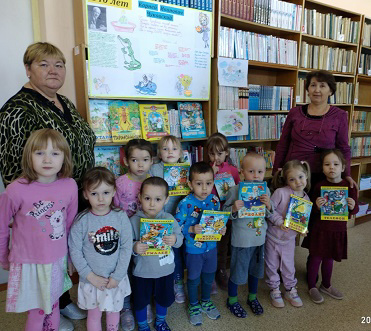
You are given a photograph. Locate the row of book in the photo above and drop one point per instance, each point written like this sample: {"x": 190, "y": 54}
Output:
{"x": 237, "y": 154}
{"x": 229, "y": 97}
{"x": 275, "y": 13}
{"x": 327, "y": 58}
{"x": 366, "y": 35}
{"x": 120, "y": 121}
{"x": 360, "y": 146}
{"x": 196, "y": 4}
{"x": 330, "y": 26}
{"x": 364, "y": 64}
{"x": 256, "y": 47}
{"x": 361, "y": 121}
{"x": 270, "y": 97}
{"x": 343, "y": 94}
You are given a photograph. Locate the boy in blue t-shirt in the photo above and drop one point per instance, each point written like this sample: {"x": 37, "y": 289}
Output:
{"x": 201, "y": 257}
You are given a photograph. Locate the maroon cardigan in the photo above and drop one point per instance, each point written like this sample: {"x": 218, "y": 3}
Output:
{"x": 304, "y": 138}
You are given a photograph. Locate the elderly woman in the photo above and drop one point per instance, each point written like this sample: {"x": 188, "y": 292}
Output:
{"x": 312, "y": 128}
{"x": 36, "y": 106}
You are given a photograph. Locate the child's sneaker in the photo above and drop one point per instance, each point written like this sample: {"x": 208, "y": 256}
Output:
{"x": 293, "y": 297}
{"x": 127, "y": 320}
{"x": 276, "y": 298}
{"x": 210, "y": 310}
{"x": 332, "y": 292}
{"x": 162, "y": 327}
{"x": 255, "y": 306}
{"x": 179, "y": 293}
{"x": 149, "y": 314}
{"x": 214, "y": 289}
{"x": 315, "y": 295}
{"x": 236, "y": 309}
{"x": 195, "y": 316}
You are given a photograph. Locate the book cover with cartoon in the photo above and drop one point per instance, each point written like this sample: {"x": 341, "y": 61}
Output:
{"x": 176, "y": 176}
{"x": 336, "y": 206}
{"x": 223, "y": 182}
{"x": 192, "y": 123}
{"x": 249, "y": 193}
{"x": 212, "y": 222}
{"x": 100, "y": 119}
{"x": 152, "y": 233}
{"x": 298, "y": 213}
{"x": 125, "y": 120}
{"x": 108, "y": 157}
{"x": 154, "y": 120}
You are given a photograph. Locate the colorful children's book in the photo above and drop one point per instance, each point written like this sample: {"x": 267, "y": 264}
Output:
{"x": 176, "y": 176}
{"x": 298, "y": 213}
{"x": 155, "y": 121}
{"x": 99, "y": 118}
{"x": 125, "y": 120}
{"x": 336, "y": 206}
{"x": 212, "y": 222}
{"x": 223, "y": 182}
{"x": 249, "y": 193}
{"x": 192, "y": 123}
{"x": 152, "y": 233}
{"x": 108, "y": 157}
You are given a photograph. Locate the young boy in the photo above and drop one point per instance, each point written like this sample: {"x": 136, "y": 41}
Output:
{"x": 247, "y": 256}
{"x": 153, "y": 274}
{"x": 201, "y": 257}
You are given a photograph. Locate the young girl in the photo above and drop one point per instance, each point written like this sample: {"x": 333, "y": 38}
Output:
{"x": 294, "y": 178}
{"x": 43, "y": 203}
{"x": 327, "y": 240}
{"x": 218, "y": 152}
{"x": 100, "y": 245}
{"x": 153, "y": 275}
{"x": 170, "y": 151}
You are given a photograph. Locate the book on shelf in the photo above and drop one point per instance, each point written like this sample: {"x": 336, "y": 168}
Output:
{"x": 176, "y": 176}
{"x": 361, "y": 121}
{"x": 249, "y": 193}
{"x": 192, "y": 121}
{"x": 223, "y": 182}
{"x": 237, "y": 154}
{"x": 336, "y": 206}
{"x": 360, "y": 146}
{"x": 174, "y": 123}
{"x": 108, "y": 157}
{"x": 125, "y": 120}
{"x": 212, "y": 222}
{"x": 99, "y": 119}
{"x": 155, "y": 121}
{"x": 196, "y": 4}
{"x": 270, "y": 97}
{"x": 366, "y": 41}
{"x": 196, "y": 153}
{"x": 152, "y": 232}
{"x": 298, "y": 214}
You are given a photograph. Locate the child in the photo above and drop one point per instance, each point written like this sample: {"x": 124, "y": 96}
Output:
{"x": 170, "y": 151}
{"x": 201, "y": 257}
{"x": 43, "y": 203}
{"x": 138, "y": 159}
{"x": 153, "y": 274}
{"x": 218, "y": 151}
{"x": 327, "y": 240}
{"x": 247, "y": 240}
{"x": 294, "y": 178}
{"x": 100, "y": 246}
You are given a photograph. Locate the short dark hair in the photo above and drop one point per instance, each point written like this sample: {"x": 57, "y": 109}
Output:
{"x": 199, "y": 168}
{"x": 321, "y": 76}
{"x": 141, "y": 144}
{"x": 155, "y": 181}
{"x": 335, "y": 151}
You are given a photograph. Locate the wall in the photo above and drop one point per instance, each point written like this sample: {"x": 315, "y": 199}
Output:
{"x": 358, "y": 6}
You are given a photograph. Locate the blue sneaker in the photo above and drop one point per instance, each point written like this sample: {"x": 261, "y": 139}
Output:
{"x": 236, "y": 310}
{"x": 255, "y": 306}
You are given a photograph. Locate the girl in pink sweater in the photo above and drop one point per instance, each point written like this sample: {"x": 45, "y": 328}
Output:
{"x": 43, "y": 203}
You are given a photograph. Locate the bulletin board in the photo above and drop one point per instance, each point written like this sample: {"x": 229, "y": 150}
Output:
{"x": 145, "y": 49}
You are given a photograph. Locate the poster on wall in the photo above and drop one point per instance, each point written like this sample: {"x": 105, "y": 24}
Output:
{"x": 233, "y": 122}
{"x": 148, "y": 49}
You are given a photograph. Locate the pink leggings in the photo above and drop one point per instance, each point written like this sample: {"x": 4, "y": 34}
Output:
{"x": 94, "y": 320}
{"x": 37, "y": 320}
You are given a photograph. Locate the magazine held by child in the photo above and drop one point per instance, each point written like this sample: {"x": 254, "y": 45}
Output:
{"x": 249, "y": 193}
{"x": 152, "y": 233}
{"x": 176, "y": 176}
{"x": 212, "y": 222}
{"x": 336, "y": 206}
{"x": 223, "y": 182}
{"x": 298, "y": 213}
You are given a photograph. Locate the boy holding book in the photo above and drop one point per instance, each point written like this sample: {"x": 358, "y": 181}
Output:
{"x": 248, "y": 238}
{"x": 201, "y": 257}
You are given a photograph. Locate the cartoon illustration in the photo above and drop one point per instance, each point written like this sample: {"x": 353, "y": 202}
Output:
{"x": 152, "y": 233}
{"x": 336, "y": 207}
{"x": 100, "y": 86}
{"x": 125, "y": 123}
{"x": 184, "y": 81}
{"x": 249, "y": 193}
{"x": 298, "y": 213}
{"x": 176, "y": 175}
{"x": 212, "y": 222}
{"x": 223, "y": 182}
{"x": 204, "y": 29}
{"x": 108, "y": 157}
{"x": 192, "y": 122}
{"x": 56, "y": 220}
{"x": 123, "y": 25}
{"x": 130, "y": 62}
{"x": 147, "y": 86}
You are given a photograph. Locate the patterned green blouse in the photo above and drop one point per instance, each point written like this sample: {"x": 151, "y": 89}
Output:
{"x": 28, "y": 111}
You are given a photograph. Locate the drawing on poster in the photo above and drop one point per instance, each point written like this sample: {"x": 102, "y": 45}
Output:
{"x": 204, "y": 29}
{"x": 233, "y": 122}
{"x": 147, "y": 86}
{"x": 232, "y": 72}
